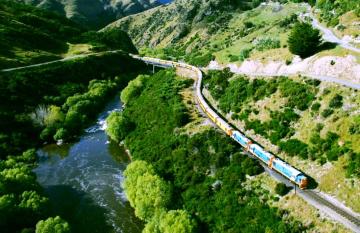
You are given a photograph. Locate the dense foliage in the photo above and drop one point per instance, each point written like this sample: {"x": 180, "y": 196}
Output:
{"x": 304, "y": 40}
{"x": 150, "y": 195}
{"x": 52, "y": 225}
{"x": 28, "y": 95}
{"x": 205, "y": 172}
{"x": 22, "y": 202}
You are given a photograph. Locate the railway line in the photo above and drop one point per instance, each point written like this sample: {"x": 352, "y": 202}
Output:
{"x": 333, "y": 210}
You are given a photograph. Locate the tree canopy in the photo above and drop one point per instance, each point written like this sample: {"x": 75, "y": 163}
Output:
{"x": 53, "y": 225}
{"x": 304, "y": 40}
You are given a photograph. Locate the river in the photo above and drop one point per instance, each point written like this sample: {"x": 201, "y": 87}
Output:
{"x": 83, "y": 181}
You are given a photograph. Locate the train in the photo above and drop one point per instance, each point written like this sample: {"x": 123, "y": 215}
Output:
{"x": 273, "y": 162}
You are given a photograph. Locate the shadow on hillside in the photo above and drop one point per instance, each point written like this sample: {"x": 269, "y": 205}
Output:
{"x": 326, "y": 46}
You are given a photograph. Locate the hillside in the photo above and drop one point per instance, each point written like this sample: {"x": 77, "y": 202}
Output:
{"x": 29, "y": 35}
{"x": 198, "y": 32}
{"x": 94, "y": 13}
{"x": 312, "y": 125}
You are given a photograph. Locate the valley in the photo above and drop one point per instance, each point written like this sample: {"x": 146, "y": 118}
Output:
{"x": 163, "y": 167}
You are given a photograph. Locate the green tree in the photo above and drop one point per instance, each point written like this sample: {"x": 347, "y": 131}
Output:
{"x": 146, "y": 192}
{"x": 31, "y": 200}
{"x": 55, "y": 116}
{"x": 133, "y": 89}
{"x": 53, "y": 225}
{"x": 176, "y": 221}
{"x": 281, "y": 189}
{"x": 304, "y": 40}
{"x": 118, "y": 126}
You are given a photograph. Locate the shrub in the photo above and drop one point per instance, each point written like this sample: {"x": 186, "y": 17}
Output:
{"x": 56, "y": 224}
{"x": 267, "y": 43}
{"x": 281, "y": 189}
{"x": 316, "y": 106}
{"x": 336, "y": 102}
{"x": 285, "y": 23}
{"x": 295, "y": 147}
{"x": 327, "y": 112}
{"x": 244, "y": 54}
{"x": 304, "y": 40}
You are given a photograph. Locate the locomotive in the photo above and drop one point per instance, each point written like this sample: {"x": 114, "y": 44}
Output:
{"x": 257, "y": 151}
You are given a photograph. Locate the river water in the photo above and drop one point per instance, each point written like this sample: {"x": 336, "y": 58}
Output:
{"x": 83, "y": 181}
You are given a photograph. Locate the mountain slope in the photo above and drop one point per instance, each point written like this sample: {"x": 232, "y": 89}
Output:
{"x": 167, "y": 25}
{"x": 94, "y": 13}
{"x": 30, "y": 35}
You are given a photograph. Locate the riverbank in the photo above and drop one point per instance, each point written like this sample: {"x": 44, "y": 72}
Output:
{"x": 83, "y": 180}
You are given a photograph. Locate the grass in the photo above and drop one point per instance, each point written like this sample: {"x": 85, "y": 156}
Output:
{"x": 76, "y": 49}
{"x": 334, "y": 183}
{"x": 297, "y": 208}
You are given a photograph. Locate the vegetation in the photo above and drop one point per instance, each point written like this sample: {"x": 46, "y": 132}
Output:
{"x": 26, "y": 91}
{"x": 94, "y": 14}
{"x": 281, "y": 189}
{"x": 267, "y": 43}
{"x": 198, "y": 178}
{"x": 37, "y": 34}
{"x": 332, "y": 10}
{"x": 304, "y": 40}
{"x": 47, "y": 103}
{"x": 240, "y": 95}
{"x": 52, "y": 225}
{"x": 22, "y": 202}
{"x": 30, "y": 35}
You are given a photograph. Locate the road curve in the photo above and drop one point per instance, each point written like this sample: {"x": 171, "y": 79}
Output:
{"x": 318, "y": 200}
{"x": 328, "y": 35}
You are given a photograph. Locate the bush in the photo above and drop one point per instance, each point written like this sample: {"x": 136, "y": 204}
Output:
{"x": 244, "y": 54}
{"x": 327, "y": 112}
{"x": 267, "y": 43}
{"x": 304, "y": 40}
{"x": 281, "y": 189}
{"x": 336, "y": 102}
{"x": 118, "y": 126}
{"x": 294, "y": 147}
{"x": 316, "y": 106}
{"x": 53, "y": 225}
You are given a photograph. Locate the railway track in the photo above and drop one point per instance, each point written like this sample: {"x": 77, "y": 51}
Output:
{"x": 316, "y": 196}
{"x": 336, "y": 212}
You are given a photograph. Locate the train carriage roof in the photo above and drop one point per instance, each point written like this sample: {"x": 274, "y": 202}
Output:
{"x": 294, "y": 172}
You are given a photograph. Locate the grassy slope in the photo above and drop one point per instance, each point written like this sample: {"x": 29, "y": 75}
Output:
{"x": 205, "y": 29}
{"x": 29, "y": 35}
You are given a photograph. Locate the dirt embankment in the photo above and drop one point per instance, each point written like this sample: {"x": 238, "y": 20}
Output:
{"x": 346, "y": 68}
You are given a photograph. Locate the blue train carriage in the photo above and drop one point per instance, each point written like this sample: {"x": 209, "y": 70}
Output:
{"x": 240, "y": 138}
{"x": 289, "y": 172}
{"x": 263, "y": 155}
